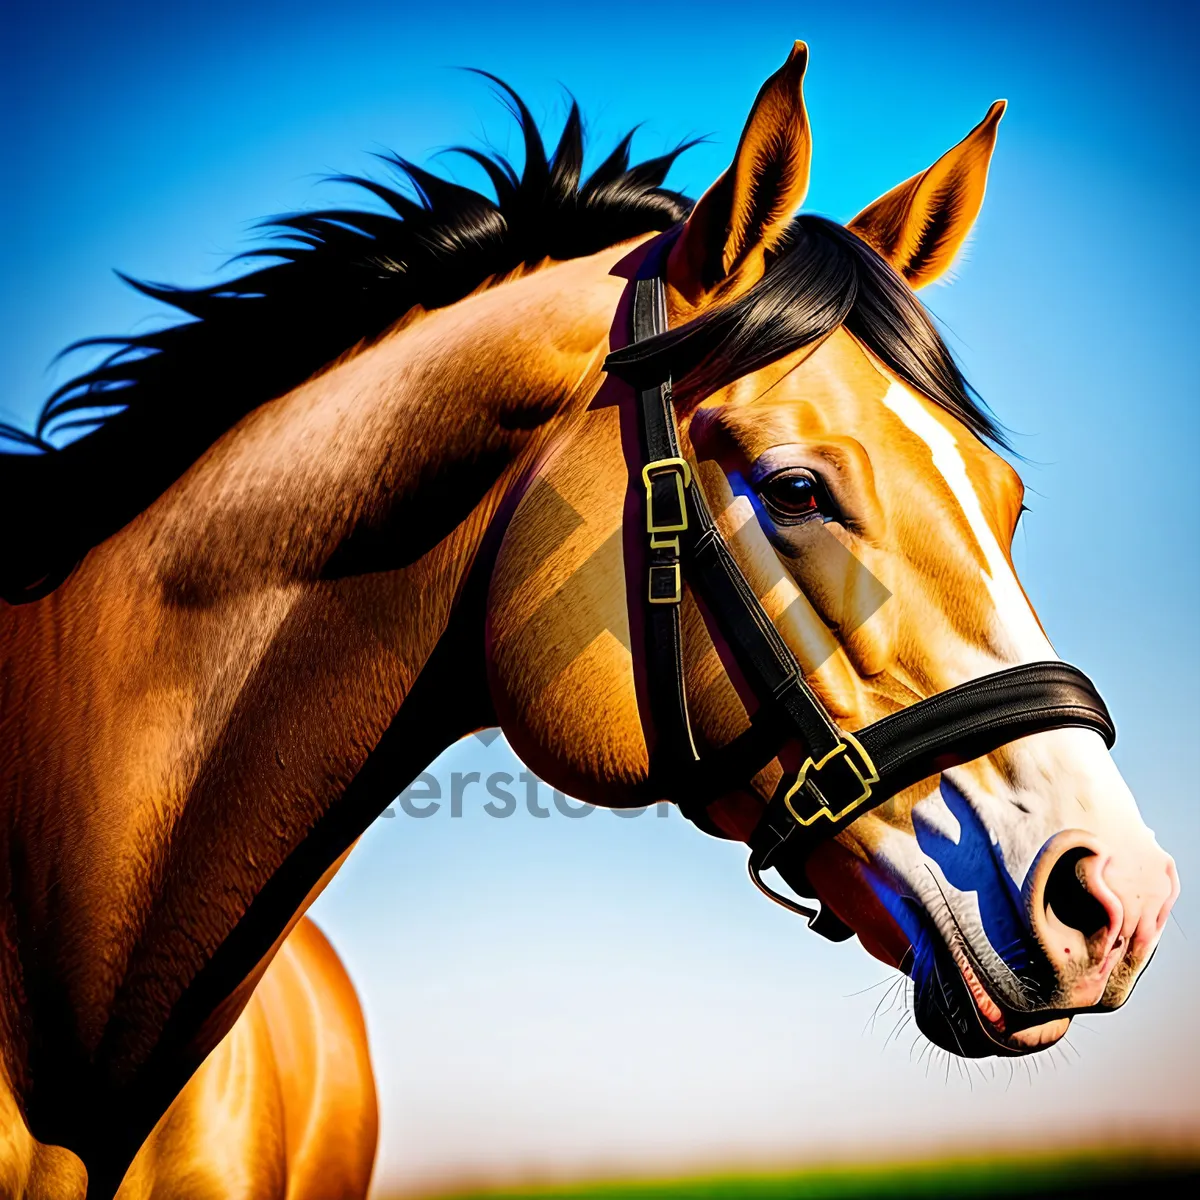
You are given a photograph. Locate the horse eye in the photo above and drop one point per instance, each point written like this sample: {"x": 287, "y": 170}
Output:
{"x": 790, "y": 496}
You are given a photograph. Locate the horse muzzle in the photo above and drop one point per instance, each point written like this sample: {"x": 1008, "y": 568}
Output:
{"x": 1095, "y": 914}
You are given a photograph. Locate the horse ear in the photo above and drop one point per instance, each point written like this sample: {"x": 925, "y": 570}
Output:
{"x": 921, "y": 224}
{"x": 746, "y": 212}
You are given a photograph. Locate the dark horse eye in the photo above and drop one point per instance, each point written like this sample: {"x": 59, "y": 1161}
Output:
{"x": 790, "y": 496}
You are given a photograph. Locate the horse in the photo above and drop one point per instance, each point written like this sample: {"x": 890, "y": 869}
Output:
{"x": 381, "y": 491}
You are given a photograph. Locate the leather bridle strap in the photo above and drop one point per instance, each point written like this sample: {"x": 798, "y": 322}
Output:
{"x": 844, "y": 774}
{"x": 665, "y": 477}
{"x": 951, "y": 727}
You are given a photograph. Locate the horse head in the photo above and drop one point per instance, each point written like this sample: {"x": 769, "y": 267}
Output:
{"x": 849, "y": 471}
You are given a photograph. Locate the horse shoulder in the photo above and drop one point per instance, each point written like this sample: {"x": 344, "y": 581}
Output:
{"x": 284, "y": 1108}
{"x": 323, "y": 1059}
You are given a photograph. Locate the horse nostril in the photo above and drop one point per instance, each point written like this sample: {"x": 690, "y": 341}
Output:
{"x": 1068, "y": 898}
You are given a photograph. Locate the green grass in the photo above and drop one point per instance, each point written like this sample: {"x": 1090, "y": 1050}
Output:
{"x": 1084, "y": 1173}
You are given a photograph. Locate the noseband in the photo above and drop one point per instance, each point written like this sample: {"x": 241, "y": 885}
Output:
{"x": 844, "y": 775}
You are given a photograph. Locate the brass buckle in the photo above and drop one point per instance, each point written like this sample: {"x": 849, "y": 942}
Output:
{"x": 864, "y": 771}
{"x": 682, "y": 474}
{"x": 677, "y": 594}
{"x": 664, "y": 535}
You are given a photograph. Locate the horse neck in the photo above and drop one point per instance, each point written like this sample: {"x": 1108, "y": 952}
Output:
{"x": 202, "y": 697}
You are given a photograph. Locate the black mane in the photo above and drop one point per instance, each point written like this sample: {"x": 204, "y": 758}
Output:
{"x": 823, "y": 276}
{"x": 340, "y": 278}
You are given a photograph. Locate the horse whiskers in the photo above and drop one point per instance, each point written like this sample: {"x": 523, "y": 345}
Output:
{"x": 965, "y": 1073}
{"x": 870, "y": 987}
{"x": 887, "y": 999}
{"x": 898, "y": 1029}
{"x": 933, "y": 1058}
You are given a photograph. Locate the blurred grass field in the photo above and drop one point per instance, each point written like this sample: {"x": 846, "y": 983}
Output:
{"x": 1123, "y": 1172}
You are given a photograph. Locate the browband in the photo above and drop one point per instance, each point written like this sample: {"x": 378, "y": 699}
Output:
{"x": 844, "y": 774}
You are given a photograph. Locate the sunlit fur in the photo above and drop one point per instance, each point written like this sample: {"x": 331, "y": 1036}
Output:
{"x": 283, "y": 1109}
{"x": 284, "y": 1106}
{"x": 441, "y": 532}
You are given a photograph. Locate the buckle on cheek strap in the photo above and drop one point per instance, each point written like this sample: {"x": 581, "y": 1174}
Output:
{"x": 666, "y": 482}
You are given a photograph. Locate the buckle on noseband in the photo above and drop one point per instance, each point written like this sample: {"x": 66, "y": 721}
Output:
{"x": 666, "y": 480}
{"x": 850, "y": 771}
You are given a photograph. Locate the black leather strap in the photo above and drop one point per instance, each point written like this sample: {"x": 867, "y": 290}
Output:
{"x": 978, "y": 717}
{"x": 951, "y": 727}
{"x": 764, "y": 657}
{"x": 665, "y": 476}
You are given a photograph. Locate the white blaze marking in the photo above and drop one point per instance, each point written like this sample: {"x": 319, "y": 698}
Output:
{"x": 1013, "y": 613}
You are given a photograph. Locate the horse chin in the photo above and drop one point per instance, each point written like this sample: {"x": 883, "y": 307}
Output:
{"x": 955, "y": 1012}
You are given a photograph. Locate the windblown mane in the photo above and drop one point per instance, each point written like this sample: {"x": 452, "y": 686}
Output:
{"x": 338, "y": 279}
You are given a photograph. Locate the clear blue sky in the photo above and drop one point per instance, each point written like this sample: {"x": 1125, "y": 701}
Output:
{"x": 585, "y": 992}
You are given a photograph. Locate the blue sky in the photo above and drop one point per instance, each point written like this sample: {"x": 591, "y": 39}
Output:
{"x": 538, "y": 988}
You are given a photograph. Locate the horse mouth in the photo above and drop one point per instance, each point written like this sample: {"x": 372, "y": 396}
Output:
{"x": 956, "y": 1012}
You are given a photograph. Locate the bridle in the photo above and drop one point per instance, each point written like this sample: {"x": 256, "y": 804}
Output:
{"x": 844, "y": 774}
